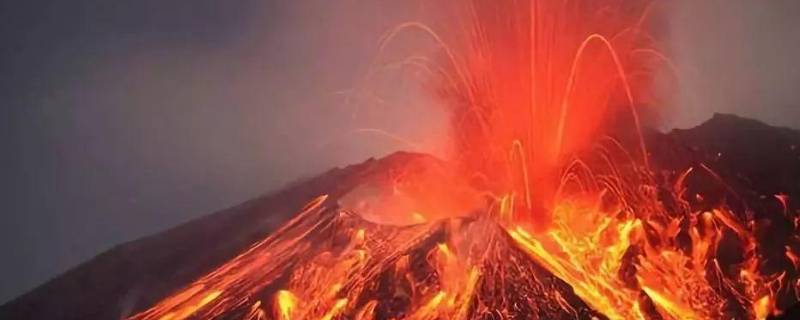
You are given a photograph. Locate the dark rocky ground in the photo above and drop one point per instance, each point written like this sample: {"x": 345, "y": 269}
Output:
{"x": 756, "y": 160}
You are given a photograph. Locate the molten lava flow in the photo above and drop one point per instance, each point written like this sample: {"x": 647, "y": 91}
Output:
{"x": 630, "y": 254}
{"x": 576, "y": 224}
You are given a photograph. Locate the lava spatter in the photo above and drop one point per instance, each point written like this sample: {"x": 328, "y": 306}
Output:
{"x": 329, "y": 263}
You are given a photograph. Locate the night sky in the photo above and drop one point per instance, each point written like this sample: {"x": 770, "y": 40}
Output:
{"x": 123, "y": 118}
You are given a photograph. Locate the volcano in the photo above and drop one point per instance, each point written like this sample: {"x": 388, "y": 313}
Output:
{"x": 321, "y": 249}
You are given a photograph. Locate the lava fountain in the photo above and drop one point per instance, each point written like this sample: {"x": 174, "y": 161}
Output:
{"x": 566, "y": 219}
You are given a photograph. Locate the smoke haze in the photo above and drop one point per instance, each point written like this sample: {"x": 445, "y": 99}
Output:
{"x": 126, "y": 118}
{"x": 736, "y": 56}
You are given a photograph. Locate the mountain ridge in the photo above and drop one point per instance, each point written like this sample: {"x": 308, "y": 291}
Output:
{"x": 132, "y": 276}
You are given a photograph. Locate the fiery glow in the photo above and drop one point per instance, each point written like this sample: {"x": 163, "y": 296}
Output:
{"x": 609, "y": 258}
{"x": 189, "y": 309}
{"x": 286, "y": 302}
{"x": 535, "y": 89}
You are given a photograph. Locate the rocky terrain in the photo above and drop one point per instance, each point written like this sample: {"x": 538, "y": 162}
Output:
{"x": 755, "y": 160}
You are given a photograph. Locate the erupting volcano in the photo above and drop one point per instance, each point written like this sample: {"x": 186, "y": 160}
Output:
{"x": 552, "y": 205}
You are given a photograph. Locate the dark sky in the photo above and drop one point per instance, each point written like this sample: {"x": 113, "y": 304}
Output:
{"x": 736, "y": 56}
{"x": 122, "y": 118}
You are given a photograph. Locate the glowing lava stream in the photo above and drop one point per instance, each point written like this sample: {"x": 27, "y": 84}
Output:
{"x": 531, "y": 87}
{"x": 327, "y": 263}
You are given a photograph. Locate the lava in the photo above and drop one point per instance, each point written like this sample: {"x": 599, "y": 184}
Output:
{"x": 554, "y": 211}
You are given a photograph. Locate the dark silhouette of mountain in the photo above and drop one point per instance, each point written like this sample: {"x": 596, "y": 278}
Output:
{"x": 760, "y": 157}
{"x": 755, "y": 163}
{"x": 134, "y": 275}
{"x": 756, "y": 160}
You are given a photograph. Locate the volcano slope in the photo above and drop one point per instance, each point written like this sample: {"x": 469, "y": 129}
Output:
{"x": 298, "y": 254}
